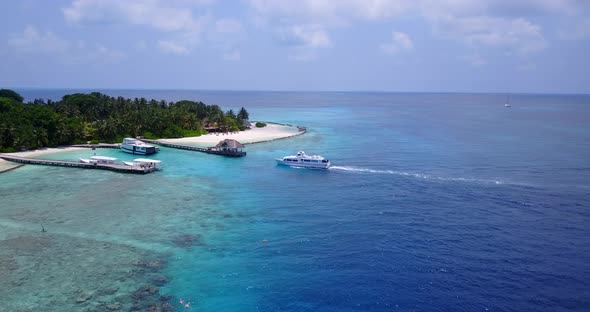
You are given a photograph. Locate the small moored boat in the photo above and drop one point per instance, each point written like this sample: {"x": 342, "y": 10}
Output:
{"x": 99, "y": 160}
{"x": 304, "y": 161}
{"x": 133, "y": 146}
{"x": 145, "y": 163}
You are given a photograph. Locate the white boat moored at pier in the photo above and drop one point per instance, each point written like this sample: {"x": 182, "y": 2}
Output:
{"x": 144, "y": 162}
{"x": 134, "y": 146}
{"x": 98, "y": 160}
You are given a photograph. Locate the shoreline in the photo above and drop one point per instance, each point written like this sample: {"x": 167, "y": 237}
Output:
{"x": 272, "y": 132}
{"x": 6, "y": 166}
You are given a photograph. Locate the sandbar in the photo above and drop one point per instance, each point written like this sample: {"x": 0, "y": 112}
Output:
{"x": 272, "y": 131}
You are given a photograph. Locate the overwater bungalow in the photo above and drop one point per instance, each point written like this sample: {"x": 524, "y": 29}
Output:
{"x": 229, "y": 147}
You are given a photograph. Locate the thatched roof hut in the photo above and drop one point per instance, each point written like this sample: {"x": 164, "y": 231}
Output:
{"x": 228, "y": 147}
{"x": 229, "y": 144}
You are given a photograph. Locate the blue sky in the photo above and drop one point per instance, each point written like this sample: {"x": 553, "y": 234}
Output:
{"x": 340, "y": 45}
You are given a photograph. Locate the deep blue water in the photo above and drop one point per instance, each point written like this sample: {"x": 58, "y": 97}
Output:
{"x": 436, "y": 202}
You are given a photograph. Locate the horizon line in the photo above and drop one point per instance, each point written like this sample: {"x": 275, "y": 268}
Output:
{"x": 295, "y": 91}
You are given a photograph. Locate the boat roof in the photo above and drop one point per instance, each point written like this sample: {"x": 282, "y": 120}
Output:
{"x": 147, "y": 160}
{"x": 301, "y": 154}
{"x": 133, "y": 141}
{"x": 103, "y": 158}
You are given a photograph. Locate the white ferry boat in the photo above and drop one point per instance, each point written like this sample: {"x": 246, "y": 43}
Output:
{"x": 144, "y": 162}
{"x": 99, "y": 160}
{"x": 305, "y": 161}
{"x": 133, "y": 146}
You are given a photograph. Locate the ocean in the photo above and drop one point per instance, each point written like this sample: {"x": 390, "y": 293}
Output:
{"x": 435, "y": 202}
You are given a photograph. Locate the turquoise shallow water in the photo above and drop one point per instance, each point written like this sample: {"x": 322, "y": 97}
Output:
{"x": 436, "y": 202}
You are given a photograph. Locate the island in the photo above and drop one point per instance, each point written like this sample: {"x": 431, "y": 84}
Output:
{"x": 45, "y": 126}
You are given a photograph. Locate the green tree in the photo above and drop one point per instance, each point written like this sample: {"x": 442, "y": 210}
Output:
{"x": 243, "y": 114}
{"x": 7, "y": 93}
{"x": 82, "y": 117}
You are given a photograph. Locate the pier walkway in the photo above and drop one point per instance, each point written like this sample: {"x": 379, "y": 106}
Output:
{"x": 99, "y": 145}
{"x": 208, "y": 150}
{"x": 74, "y": 164}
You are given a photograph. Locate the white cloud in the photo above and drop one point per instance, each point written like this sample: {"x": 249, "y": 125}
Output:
{"x": 504, "y": 24}
{"x": 172, "y": 47}
{"x": 509, "y": 25}
{"x": 329, "y": 11}
{"x": 181, "y": 24}
{"x": 225, "y": 34}
{"x": 141, "y": 45}
{"x": 34, "y": 41}
{"x": 303, "y": 41}
{"x": 309, "y": 36}
{"x": 232, "y": 56}
{"x": 96, "y": 55}
{"x": 475, "y": 60}
{"x": 527, "y": 67}
{"x": 518, "y": 35}
{"x": 228, "y": 26}
{"x": 501, "y": 8}
{"x": 326, "y": 11}
{"x": 302, "y": 54}
{"x": 399, "y": 42}
{"x": 174, "y": 18}
{"x": 578, "y": 31}
{"x": 160, "y": 15}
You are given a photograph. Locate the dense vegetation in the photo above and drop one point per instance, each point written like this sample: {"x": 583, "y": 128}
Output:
{"x": 260, "y": 124}
{"x": 79, "y": 118}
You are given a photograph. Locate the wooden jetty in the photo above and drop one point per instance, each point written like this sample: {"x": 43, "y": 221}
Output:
{"x": 224, "y": 148}
{"x": 99, "y": 145}
{"x": 74, "y": 164}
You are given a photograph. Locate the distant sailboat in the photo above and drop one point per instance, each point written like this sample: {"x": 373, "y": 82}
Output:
{"x": 507, "y": 102}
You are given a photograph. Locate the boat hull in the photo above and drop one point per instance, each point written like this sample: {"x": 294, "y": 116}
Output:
{"x": 139, "y": 150}
{"x": 303, "y": 164}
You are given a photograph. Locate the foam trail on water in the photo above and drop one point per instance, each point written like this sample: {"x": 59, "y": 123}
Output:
{"x": 411, "y": 174}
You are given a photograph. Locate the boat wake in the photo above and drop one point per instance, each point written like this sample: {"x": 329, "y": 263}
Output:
{"x": 413, "y": 175}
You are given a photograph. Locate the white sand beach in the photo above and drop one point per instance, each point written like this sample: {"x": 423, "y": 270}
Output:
{"x": 254, "y": 135}
{"x": 270, "y": 132}
{"x": 4, "y": 165}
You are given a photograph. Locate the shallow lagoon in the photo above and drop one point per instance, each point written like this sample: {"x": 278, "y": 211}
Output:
{"x": 437, "y": 202}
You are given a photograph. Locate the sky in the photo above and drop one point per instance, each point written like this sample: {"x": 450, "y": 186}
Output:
{"x": 506, "y": 46}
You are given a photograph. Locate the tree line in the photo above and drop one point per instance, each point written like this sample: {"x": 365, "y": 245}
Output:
{"x": 79, "y": 118}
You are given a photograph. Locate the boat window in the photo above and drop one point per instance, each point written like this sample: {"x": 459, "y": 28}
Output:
{"x": 295, "y": 160}
{"x": 306, "y": 160}
{"x": 325, "y": 161}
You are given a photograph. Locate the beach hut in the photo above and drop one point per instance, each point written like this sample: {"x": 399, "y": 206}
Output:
{"x": 229, "y": 145}
{"x": 212, "y": 129}
{"x": 246, "y": 124}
